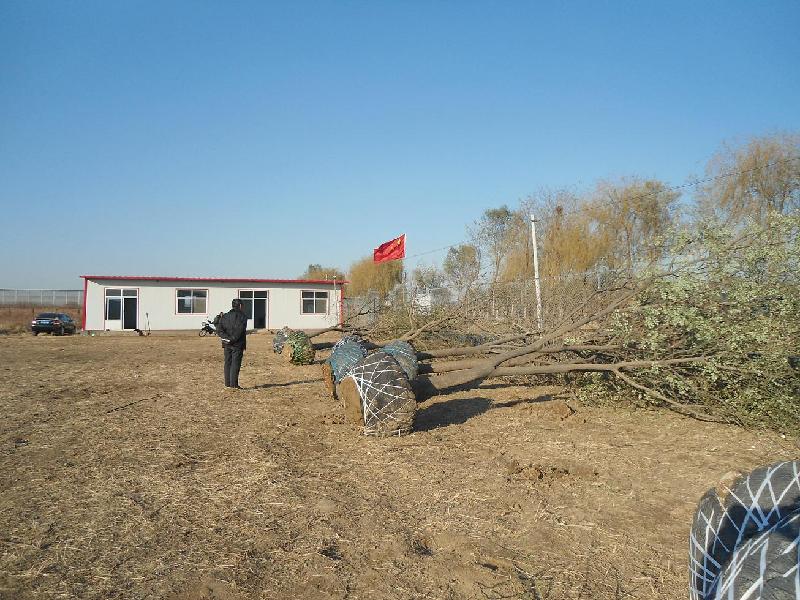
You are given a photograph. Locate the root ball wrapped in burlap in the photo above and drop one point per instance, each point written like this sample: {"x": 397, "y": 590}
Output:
{"x": 377, "y": 394}
{"x": 280, "y": 339}
{"x": 405, "y": 355}
{"x": 298, "y": 349}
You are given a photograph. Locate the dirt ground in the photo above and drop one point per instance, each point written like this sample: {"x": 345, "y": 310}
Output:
{"x": 128, "y": 471}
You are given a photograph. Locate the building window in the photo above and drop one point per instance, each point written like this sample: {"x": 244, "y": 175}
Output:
{"x": 315, "y": 303}
{"x": 192, "y": 302}
{"x": 113, "y": 309}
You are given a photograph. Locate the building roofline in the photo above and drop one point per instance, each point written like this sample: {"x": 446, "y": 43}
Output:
{"x": 215, "y": 279}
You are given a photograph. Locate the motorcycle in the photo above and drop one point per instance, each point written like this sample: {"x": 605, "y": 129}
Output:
{"x": 209, "y": 327}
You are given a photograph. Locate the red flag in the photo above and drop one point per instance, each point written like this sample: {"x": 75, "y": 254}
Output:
{"x": 391, "y": 250}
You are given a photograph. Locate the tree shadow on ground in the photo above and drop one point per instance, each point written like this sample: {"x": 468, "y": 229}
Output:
{"x": 286, "y": 384}
{"x": 460, "y": 410}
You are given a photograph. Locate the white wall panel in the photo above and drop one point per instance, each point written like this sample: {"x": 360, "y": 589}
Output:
{"x": 157, "y": 303}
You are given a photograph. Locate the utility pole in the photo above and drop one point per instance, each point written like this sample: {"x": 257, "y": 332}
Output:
{"x": 536, "y": 275}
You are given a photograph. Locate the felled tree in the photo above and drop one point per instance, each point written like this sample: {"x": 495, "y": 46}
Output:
{"x": 736, "y": 303}
{"x": 713, "y": 335}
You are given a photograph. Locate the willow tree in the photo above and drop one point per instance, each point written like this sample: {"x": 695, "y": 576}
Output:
{"x": 490, "y": 233}
{"x": 753, "y": 180}
{"x": 630, "y": 219}
{"x": 462, "y": 266}
{"x": 368, "y": 276}
{"x": 317, "y": 271}
{"x": 427, "y": 278}
{"x": 568, "y": 240}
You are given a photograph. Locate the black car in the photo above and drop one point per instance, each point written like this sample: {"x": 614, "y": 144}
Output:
{"x": 54, "y": 323}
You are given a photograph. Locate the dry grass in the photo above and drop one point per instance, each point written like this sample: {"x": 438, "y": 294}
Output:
{"x": 129, "y": 472}
{"x": 17, "y": 319}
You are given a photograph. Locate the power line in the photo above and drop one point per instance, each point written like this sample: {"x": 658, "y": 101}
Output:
{"x": 432, "y": 251}
{"x": 654, "y": 193}
{"x": 696, "y": 182}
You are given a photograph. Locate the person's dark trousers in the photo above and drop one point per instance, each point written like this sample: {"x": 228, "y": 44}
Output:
{"x": 233, "y": 362}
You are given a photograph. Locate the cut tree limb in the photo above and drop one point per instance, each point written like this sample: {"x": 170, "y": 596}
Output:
{"x": 427, "y": 386}
{"x": 457, "y": 365}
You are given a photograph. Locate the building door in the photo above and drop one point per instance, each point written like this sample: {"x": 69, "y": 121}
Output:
{"x": 256, "y": 307}
{"x": 121, "y": 309}
{"x": 130, "y": 310}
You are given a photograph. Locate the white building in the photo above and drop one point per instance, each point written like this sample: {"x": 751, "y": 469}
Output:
{"x": 116, "y": 303}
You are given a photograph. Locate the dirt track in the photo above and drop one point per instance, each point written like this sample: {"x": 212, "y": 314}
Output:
{"x": 127, "y": 471}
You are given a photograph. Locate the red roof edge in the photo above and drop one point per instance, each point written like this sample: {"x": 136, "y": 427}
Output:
{"x": 217, "y": 279}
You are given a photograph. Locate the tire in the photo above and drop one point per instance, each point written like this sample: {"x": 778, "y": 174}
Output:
{"x": 35, "y": 333}
{"x": 202, "y": 333}
{"x": 59, "y": 331}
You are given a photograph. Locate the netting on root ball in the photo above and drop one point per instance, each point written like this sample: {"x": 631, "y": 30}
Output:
{"x": 745, "y": 535}
{"x": 298, "y": 349}
{"x": 405, "y": 355}
{"x": 378, "y": 387}
{"x": 343, "y": 357}
{"x": 280, "y": 339}
{"x": 350, "y": 338}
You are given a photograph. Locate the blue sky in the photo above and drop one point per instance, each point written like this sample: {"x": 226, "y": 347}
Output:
{"x": 253, "y": 138}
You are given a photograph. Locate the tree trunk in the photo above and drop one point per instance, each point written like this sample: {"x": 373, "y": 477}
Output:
{"x": 457, "y": 365}
{"x": 471, "y": 350}
{"x": 427, "y": 386}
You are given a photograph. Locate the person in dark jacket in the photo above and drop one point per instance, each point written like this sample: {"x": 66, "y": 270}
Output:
{"x": 232, "y": 331}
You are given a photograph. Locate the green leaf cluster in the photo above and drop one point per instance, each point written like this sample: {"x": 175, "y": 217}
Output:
{"x": 733, "y": 297}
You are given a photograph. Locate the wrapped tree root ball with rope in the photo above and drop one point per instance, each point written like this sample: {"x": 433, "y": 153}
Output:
{"x": 377, "y": 395}
{"x": 744, "y": 538}
{"x": 405, "y": 355}
{"x": 350, "y": 338}
{"x": 344, "y": 356}
{"x": 298, "y": 349}
{"x": 280, "y": 339}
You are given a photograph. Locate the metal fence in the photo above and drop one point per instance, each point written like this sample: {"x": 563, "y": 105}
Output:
{"x": 41, "y": 297}
{"x": 511, "y": 301}
{"x": 362, "y": 311}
